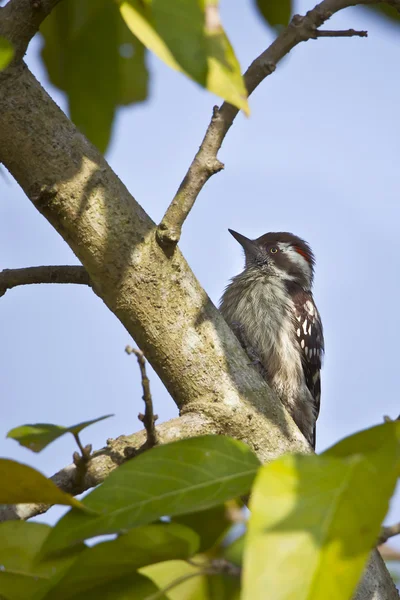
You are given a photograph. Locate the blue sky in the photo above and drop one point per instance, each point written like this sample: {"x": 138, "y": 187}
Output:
{"x": 318, "y": 157}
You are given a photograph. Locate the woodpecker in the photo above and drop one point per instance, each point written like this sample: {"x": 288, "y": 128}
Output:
{"x": 271, "y": 310}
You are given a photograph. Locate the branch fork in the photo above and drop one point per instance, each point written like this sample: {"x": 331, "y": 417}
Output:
{"x": 205, "y": 163}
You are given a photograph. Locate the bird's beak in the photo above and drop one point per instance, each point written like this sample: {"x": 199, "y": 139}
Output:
{"x": 248, "y": 245}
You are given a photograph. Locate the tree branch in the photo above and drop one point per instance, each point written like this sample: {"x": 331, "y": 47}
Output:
{"x": 104, "y": 461}
{"x": 388, "y": 532}
{"x": 10, "y": 278}
{"x": 149, "y": 418}
{"x": 205, "y": 163}
{"x": 346, "y": 33}
{"x": 20, "y": 21}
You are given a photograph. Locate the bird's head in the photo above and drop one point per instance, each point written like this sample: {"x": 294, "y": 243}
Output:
{"x": 281, "y": 255}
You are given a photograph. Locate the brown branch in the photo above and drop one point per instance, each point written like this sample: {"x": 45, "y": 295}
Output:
{"x": 20, "y": 21}
{"x": 149, "y": 418}
{"x": 10, "y": 278}
{"x": 205, "y": 163}
{"x": 81, "y": 460}
{"x": 388, "y": 532}
{"x": 346, "y": 33}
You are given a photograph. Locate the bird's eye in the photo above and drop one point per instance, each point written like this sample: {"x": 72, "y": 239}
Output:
{"x": 273, "y": 250}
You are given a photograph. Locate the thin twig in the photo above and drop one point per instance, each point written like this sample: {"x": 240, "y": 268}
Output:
{"x": 79, "y": 444}
{"x": 10, "y": 278}
{"x": 81, "y": 461}
{"x": 388, "y": 532}
{"x": 224, "y": 567}
{"x": 149, "y": 418}
{"x": 205, "y": 163}
{"x": 345, "y": 33}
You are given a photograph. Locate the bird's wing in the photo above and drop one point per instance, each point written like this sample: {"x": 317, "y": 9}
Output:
{"x": 310, "y": 337}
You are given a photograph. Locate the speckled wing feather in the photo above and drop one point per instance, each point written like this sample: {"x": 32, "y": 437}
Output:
{"x": 310, "y": 336}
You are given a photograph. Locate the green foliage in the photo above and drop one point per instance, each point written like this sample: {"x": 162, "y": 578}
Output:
{"x": 275, "y": 12}
{"x": 134, "y": 586}
{"x": 99, "y": 62}
{"x": 22, "y": 484}
{"x": 210, "y": 525}
{"x": 178, "y": 478}
{"x": 36, "y": 437}
{"x": 188, "y": 36}
{"x": 90, "y": 54}
{"x": 194, "y": 583}
{"x": 109, "y": 564}
{"x": 316, "y": 518}
{"x": 21, "y": 576}
{"x": 6, "y": 53}
{"x": 192, "y": 587}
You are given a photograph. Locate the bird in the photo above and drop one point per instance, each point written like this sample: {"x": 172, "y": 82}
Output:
{"x": 271, "y": 309}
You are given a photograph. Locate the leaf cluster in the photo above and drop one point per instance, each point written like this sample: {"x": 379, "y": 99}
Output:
{"x": 179, "y": 532}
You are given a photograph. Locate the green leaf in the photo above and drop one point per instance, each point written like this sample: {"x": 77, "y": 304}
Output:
{"x": 188, "y": 36}
{"x": 134, "y": 586}
{"x": 6, "y": 53}
{"x": 109, "y": 562}
{"x": 186, "y": 42}
{"x": 275, "y": 12}
{"x": 22, "y": 484}
{"x": 193, "y": 585}
{"x": 375, "y": 444}
{"x": 20, "y": 575}
{"x": 91, "y": 55}
{"x": 314, "y": 519}
{"x": 210, "y": 525}
{"x": 181, "y": 477}
{"x": 187, "y": 582}
{"x": 39, "y": 435}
